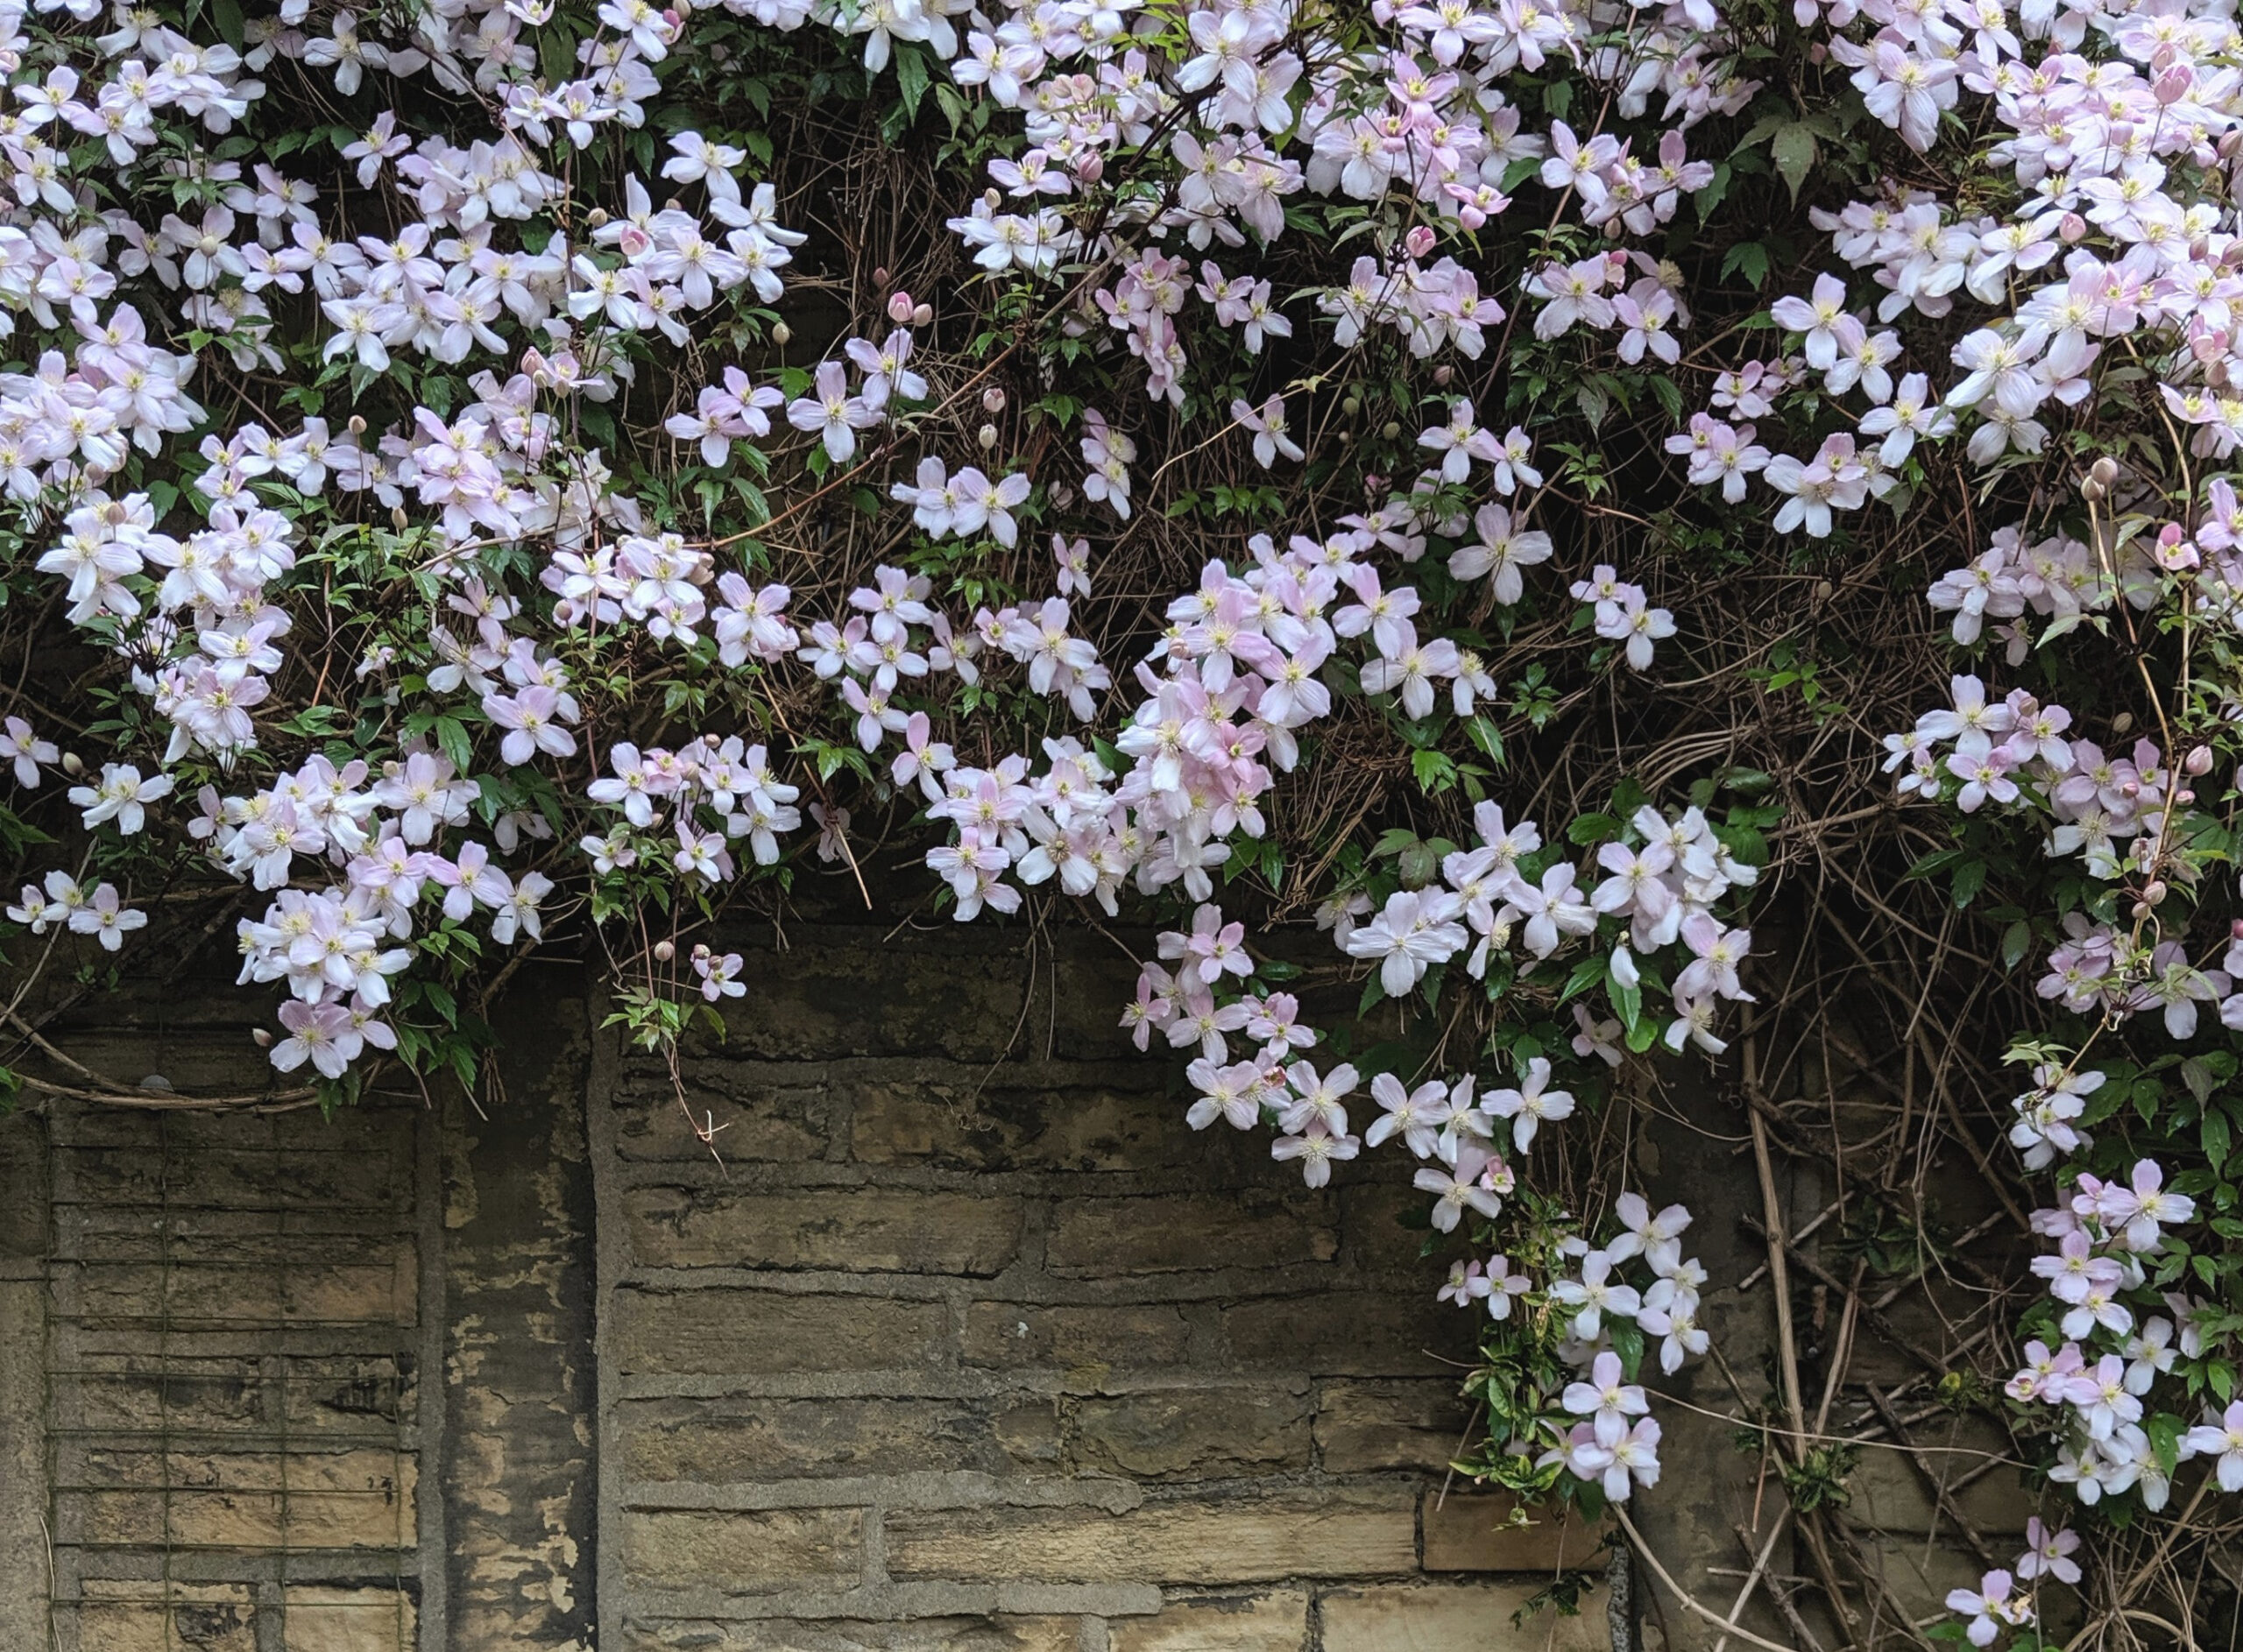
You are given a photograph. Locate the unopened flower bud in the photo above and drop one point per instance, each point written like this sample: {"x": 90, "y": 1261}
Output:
{"x": 2154, "y": 893}
{"x": 1419, "y": 241}
{"x": 993, "y": 400}
{"x": 2092, "y": 491}
{"x": 880, "y": 279}
{"x": 1824, "y": 590}
{"x": 2070, "y": 228}
{"x": 357, "y": 424}
{"x": 923, "y": 316}
{"x": 782, "y": 336}
{"x": 987, "y": 437}
{"x": 899, "y": 307}
{"x": 1389, "y": 431}
{"x": 664, "y": 951}
{"x": 398, "y": 517}
{"x": 2120, "y": 724}
{"x": 2185, "y": 795}
{"x": 72, "y": 765}
{"x": 1442, "y": 374}
{"x": 2140, "y": 910}
{"x": 597, "y": 218}
{"x": 262, "y": 1037}
{"x": 1351, "y": 406}
{"x": 700, "y": 950}
{"x": 1091, "y": 167}
{"x": 2198, "y": 761}
{"x": 2104, "y": 470}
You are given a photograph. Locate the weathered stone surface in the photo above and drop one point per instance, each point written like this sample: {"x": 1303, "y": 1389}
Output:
{"x": 1450, "y": 1617}
{"x": 1074, "y": 1338}
{"x": 874, "y": 1230}
{"x": 381, "y": 1291}
{"x": 720, "y": 1442}
{"x": 1470, "y": 1532}
{"x": 1206, "y": 1541}
{"x": 250, "y": 1499}
{"x": 918, "y": 1634}
{"x": 1273, "y": 1622}
{"x": 1891, "y": 1494}
{"x": 137, "y": 1615}
{"x": 697, "y": 1332}
{"x": 348, "y": 1621}
{"x": 761, "y": 1119}
{"x": 1349, "y": 1333}
{"x": 1201, "y": 1433}
{"x": 1173, "y": 1233}
{"x": 959, "y": 1124}
{"x": 747, "y": 1552}
{"x": 1366, "y": 1426}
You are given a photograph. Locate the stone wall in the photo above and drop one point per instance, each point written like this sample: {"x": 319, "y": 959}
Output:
{"x": 956, "y": 1339}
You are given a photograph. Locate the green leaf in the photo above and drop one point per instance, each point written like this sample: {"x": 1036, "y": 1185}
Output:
{"x": 1794, "y": 150}
{"x": 912, "y": 79}
{"x": 2016, "y": 942}
{"x": 1970, "y": 878}
{"x": 1593, "y": 828}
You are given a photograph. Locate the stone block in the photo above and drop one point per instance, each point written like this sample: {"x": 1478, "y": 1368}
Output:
{"x": 862, "y": 1229}
{"x": 957, "y": 1124}
{"x": 762, "y": 1119}
{"x": 1273, "y": 1622}
{"x": 999, "y": 1633}
{"x": 1087, "y": 1338}
{"x": 348, "y": 1621}
{"x": 760, "y": 1332}
{"x": 1366, "y": 1427}
{"x": 249, "y": 1501}
{"x": 744, "y": 1551}
{"x": 1468, "y": 1531}
{"x": 1453, "y": 1618}
{"x": 1188, "y": 1541}
{"x": 150, "y": 1615}
{"x": 1350, "y": 1333}
{"x": 1889, "y": 1494}
{"x": 1197, "y": 1433}
{"x": 727, "y": 1441}
{"x": 1173, "y": 1233}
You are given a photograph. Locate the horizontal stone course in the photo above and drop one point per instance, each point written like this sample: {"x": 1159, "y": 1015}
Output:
{"x": 1204, "y": 1540}
{"x": 719, "y": 1330}
{"x": 743, "y": 1552}
{"x": 866, "y": 1229}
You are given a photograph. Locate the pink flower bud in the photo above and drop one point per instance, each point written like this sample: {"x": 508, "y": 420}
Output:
{"x": 899, "y": 307}
{"x": 2198, "y": 761}
{"x": 1419, "y": 241}
{"x": 1442, "y": 374}
{"x": 633, "y": 241}
{"x": 993, "y": 400}
{"x": 1091, "y": 167}
{"x": 2070, "y": 228}
{"x": 261, "y": 1037}
{"x": 923, "y": 316}
{"x": 2174, "y": 85}
{"x": 664, "y": 951}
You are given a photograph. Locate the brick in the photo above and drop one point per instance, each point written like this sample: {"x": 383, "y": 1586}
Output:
{"x": 23, "y": 1463}
{"x": 1392, "y": 1333}
{"x": 1173, "y": 1433}
{"x": 1472, "y": 1532}
{"x": 879, "y": 1230}
{"x": 1273, "y": 1622}
{"x": 758, "y": 1332}
{"x": 720, "y": 1442}
{"x": 137, "y": 1615}
{"x": 1089, "y": 1339}
{"x": 1365, "y": 1427}
{"x": 744, "y": 1552}
{"x": 1203, "y": 1541}
{"x": 788, "y": 1634}
{"x": 348, "y": 1621}
{"x": 1259, "y": 1228}
{"x": 1437, "y": 1618}
{"x": 958, "y": 1125}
